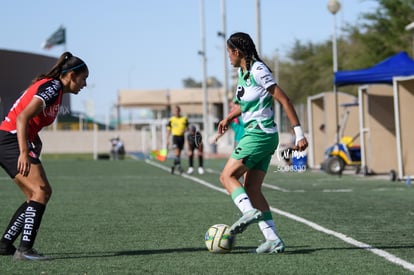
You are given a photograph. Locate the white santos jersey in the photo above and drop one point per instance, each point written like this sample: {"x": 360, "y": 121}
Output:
{"x": 255, "y": 101}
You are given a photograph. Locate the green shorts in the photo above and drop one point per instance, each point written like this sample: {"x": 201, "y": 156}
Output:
{"x": 256, "y": 150}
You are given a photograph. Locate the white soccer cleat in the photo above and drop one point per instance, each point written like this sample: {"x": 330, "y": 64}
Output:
{"x": 190, "y": 170}
{"x": 271, "y": 246}
{"x": 251, "y": 216}
{"x": 200, "y": 170}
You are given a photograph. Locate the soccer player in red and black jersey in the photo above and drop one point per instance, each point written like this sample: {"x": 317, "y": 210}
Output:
{"x": 20, "y": 148}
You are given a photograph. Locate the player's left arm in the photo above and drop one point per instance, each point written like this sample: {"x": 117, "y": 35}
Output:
{"x": 278, "y": 94}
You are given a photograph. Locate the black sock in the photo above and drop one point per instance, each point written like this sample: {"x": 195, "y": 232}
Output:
{"x": 15, "y": 226}
{"x": 200, "y": 161}
{"x": 190, "y": 160}
{"x": 33, "y": 217}
{"x": 177, "y": 161}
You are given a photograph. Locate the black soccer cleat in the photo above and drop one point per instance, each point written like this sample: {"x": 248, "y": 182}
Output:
{"x": 7, "y": 249}
{"x": 29, "y": 255}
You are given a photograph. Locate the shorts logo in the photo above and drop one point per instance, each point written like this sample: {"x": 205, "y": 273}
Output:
{"x": 33, "y": 155}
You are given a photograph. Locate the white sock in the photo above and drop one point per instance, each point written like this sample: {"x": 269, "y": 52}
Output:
{"x": 241, "y": 200}
{"x": 268, "y": 229}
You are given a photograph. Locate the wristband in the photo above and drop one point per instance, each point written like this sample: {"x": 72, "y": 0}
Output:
{"x": 298, "y": 133}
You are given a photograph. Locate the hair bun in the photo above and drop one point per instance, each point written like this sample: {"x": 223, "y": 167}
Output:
{"x": 67, "y": 55}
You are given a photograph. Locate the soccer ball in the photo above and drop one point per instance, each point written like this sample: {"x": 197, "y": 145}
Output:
{"x": 219, "y": 239}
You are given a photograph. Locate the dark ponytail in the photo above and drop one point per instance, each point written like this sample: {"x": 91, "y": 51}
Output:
{"x": 66, "y": 63}
{"x": 244, "y": 43}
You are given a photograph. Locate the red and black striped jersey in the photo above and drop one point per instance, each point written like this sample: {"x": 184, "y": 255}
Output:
{"x": 50, "y": 92}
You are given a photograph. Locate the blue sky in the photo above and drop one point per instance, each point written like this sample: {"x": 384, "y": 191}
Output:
{"x": 153, "y": 44}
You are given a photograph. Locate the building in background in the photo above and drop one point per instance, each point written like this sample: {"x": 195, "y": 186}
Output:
{"x": 17, "y": 70}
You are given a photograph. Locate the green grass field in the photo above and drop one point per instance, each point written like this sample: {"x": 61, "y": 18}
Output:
{"x": 134, "y": 217}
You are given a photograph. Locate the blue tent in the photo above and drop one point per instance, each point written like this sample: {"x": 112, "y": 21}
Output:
{"x": 397, "y": 65}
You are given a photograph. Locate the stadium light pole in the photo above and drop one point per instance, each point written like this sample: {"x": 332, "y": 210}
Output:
{"x": 334, "y": 6}
{"x": 277, "y": 107}
{"x": 222, "y": 34}
{"x": 258, "y": 29}
{"x": 202, "y": 53}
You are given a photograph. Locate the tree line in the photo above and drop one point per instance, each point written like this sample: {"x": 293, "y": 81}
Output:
{"x": 376, "y": 35}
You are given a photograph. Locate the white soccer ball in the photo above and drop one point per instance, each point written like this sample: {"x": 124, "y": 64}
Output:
{"x": 219, "y": 239}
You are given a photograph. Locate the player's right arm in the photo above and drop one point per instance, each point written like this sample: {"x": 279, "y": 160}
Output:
{"x": 223, "y": 126}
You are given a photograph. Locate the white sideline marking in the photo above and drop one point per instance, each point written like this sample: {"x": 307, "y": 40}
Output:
{"x": 388, "y": 256}
{"x": 274, "y": 187}
{"x": 200, "y": 181}
{"x": 336, "y": 190}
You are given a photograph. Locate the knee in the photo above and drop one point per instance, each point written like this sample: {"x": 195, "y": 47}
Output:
{"x": 224, "y": 178}
{"x": 48, "y": 193}
{"x": 42, "y": 194}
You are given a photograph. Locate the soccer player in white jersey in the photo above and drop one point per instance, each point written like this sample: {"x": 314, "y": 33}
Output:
{"x": 256, "y": 91}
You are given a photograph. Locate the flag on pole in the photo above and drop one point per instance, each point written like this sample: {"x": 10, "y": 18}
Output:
{"x": 57, "y": 38}
{"x": 160, "y": 155}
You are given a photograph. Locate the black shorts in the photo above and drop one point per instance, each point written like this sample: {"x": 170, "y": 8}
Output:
{"x": 178, "y": 142}
{"x": 9, "y": 148}
{"x": 194, "y": 141}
